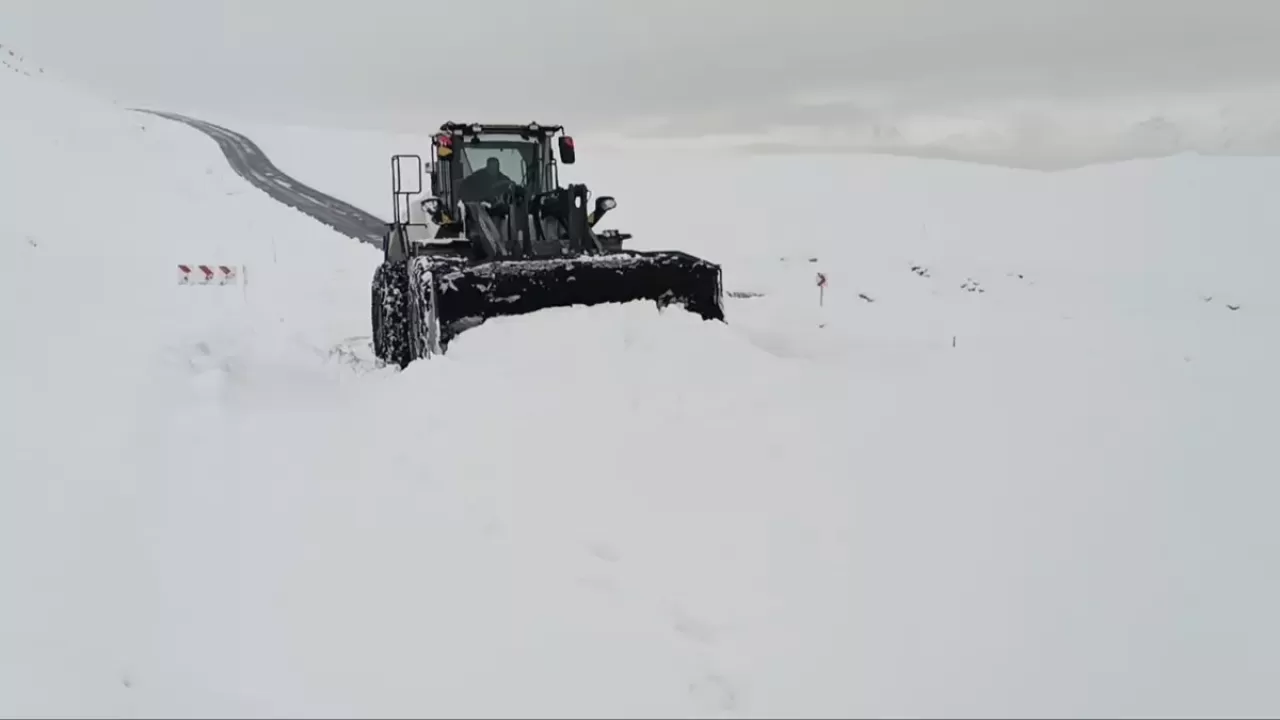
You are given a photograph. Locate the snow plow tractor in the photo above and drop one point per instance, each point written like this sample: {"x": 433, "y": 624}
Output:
{"x": 496, "y": 234}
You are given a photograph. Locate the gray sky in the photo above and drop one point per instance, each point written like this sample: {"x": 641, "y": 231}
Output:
{"x": 716, "y": 64}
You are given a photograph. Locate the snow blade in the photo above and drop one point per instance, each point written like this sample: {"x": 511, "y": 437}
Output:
{"x": 457, "y": 296}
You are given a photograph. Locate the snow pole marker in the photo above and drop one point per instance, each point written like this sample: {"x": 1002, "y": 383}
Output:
{"x": 208, "y": 274}
{"x": 215, "y": 275}
{"x": 821, "y": 281}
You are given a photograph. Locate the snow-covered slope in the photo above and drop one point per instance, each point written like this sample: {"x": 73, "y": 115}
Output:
{"x": 1027, "y": 473}
{"x": 99, "y": 542}
{"x": 1046, "y": 132}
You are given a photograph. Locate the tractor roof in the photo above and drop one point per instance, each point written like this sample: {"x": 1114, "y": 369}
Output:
{"x": 528, "y": 130}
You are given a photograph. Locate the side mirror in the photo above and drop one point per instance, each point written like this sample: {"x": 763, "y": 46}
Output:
{"x": 604, "y": 204}
{"x": 431, "y": 208}
{"x": 567, "y": 155}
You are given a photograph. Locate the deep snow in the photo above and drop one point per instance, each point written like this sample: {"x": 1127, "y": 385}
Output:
{"x": 1052, "y": 497}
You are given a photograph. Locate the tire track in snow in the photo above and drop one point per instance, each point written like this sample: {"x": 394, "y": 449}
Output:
{"x": 250, "y": 163}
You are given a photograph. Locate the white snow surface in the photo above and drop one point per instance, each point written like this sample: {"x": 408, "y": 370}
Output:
{"x": 1053, "y": 497}
{"x": 1033, "y": 132}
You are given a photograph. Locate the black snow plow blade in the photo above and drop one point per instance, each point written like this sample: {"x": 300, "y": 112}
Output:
{"x": 452, "y": 296}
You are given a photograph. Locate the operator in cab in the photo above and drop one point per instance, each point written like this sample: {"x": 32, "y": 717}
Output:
{"x": 487, "y": 183}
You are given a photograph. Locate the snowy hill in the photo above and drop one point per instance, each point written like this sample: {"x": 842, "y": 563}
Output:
{"x": 1043, "y": 132}
{"x": 1022, "y": 467}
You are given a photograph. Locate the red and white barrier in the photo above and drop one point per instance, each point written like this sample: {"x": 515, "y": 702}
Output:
{"x": 209, "y": 275}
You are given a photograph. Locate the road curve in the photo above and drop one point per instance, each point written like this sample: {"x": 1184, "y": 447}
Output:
{"x": 250, "y": 163}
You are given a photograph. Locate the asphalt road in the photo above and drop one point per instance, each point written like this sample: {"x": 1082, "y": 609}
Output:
{"x": 250, "y": 163}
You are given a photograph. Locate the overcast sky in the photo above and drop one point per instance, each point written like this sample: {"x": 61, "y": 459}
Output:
{"x": 724, "y": 64}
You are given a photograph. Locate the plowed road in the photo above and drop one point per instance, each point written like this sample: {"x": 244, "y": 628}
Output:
{"x": 250, "y": 163}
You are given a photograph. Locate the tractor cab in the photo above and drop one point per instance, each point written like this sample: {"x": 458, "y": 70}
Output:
{"x": 495, "y": 191}
{"x": 481, "y": 163}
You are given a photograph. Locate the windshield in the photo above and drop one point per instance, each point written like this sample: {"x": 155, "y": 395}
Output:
{"x": 514, "y": 158}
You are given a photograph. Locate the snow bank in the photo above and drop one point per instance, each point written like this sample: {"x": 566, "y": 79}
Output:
{"x": 1016, "y": 464}
{"x": 97, "y": 208}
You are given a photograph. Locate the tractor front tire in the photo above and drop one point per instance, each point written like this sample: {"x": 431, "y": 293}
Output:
{"x": 390, "y": 313}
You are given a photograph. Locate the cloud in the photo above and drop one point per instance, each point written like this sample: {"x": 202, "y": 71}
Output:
{"x": 729, "y": 65}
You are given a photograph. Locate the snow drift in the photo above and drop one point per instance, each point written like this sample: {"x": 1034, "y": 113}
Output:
{"x": 1016, "y": 463}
